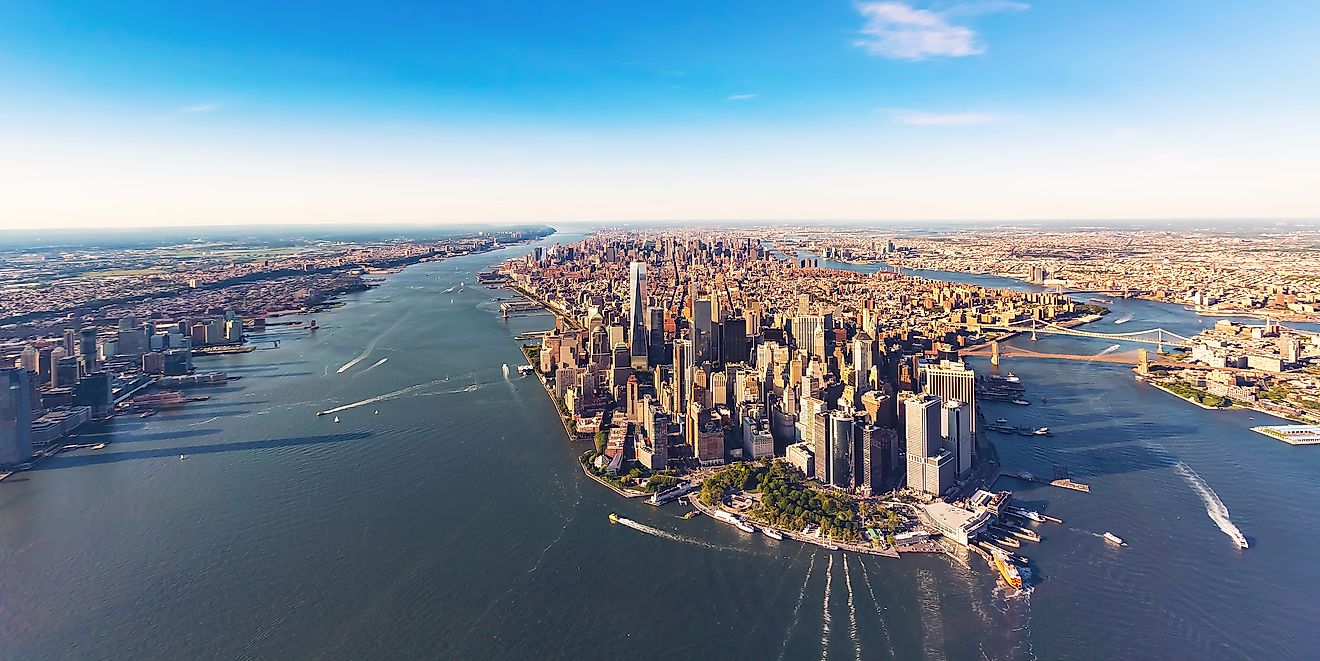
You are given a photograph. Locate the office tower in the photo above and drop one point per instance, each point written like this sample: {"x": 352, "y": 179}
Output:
{"x": 862, "y": 361}
{"x": 87, "y": 347}
{"x": 637, "y": 336}
{"x": 683, "y": 374}
{"x": 233, "y": 331}
{"x": 950, "y": 380}
{"x": 655, "y": 330}
{"x": 632, "y": 389}
{"x": 705, "y": 435}
{"x": 94, "y": 390}
{"x": 701, "y": 327}
{"x": 840, "y": 438}
{"x": 929, "y": 468}
{"x": 875, "y": 455}
{"x": 809, "y": 334}
{"x": 15, "y": 416}
{"x": 29, "y": 359}
{"x": 45, "y": 365}
{"x": 956, "y": 428}
{"x": 70, "y": 341}
{"x": 66, "y": 372}
{"x": 734, "y": 347}
{"x": 653, "y": 448}
{"x": 757, "y": 442}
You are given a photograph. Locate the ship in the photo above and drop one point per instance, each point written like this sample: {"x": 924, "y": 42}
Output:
{"x": 1007, "y": 571}
{"x": 1021, "y": 402}
{"x": 1043, "y": 431}
{"x": 690, "y": 514}
{"x": 1026, "y": 514}
{"x": 1114, "y": 539}
{"x": 614, "y": 518}
{"x": 745, "y": 527}
{"x": 773, "y": 534}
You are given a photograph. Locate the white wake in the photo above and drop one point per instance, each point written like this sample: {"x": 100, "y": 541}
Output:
{"x": 1124, "y": 319}
{"x": 825, "y": 613}
{"x": 1214, "y": 507}
{"x": 1110, "y": 349}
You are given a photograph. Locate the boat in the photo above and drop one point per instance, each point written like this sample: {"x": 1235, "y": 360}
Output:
{"x": 336, "y": 419}
{"x": 376, "y": 412}
{"x": 1114, "y": 539}
{"x": 1012, "y": 378}
{"x": 690, "y": 514}
{"x": 745, "y": 527}
{"x": 147, "y": 413}
{"x": 831, "y": 547}
{"x": 1007, "y": 571}
{"x": 1042, "y": 431}
{"x": 505, "y": 369}
{"x": 182, "y": 457}
{"x": 1026, "y": 514}
{"x": 773, "y": 534}
{"x": 614, "y": 518}
{"x": 1002, "y": 421}
{"x": 1021, "y": 402}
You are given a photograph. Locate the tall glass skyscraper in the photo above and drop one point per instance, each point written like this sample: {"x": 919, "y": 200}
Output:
{"x": 637, "y": 339}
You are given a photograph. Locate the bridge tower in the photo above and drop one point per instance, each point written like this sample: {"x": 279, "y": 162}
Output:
{"x": 1143, "y": 361}
{"x": 1033, "y": 329}
{"x": 1159, "y": 340}
{"x": 994, "y": 353}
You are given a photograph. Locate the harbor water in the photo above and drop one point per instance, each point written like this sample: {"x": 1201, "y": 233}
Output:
{"x": 444, "y": 516}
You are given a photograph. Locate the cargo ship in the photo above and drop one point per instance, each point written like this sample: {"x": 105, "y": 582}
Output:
{"x": 1007, "y": 570}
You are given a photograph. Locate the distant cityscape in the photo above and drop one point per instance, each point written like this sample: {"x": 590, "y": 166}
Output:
{"x": 97, "y": 333}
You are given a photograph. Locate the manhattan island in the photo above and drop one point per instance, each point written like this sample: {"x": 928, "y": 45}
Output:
{"x": 819, "y": 404}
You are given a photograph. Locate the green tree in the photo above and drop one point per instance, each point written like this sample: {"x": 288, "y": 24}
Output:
{"x": 602, "y": 439}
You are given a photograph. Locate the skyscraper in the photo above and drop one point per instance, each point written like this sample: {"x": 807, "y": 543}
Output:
{"x": 952, "y": 381}
{"x": 862, "y": 361}
{"x": 929, "y": 466}
{"x": 637, "y": 336}
{"x": 956, "y": 428}
{"x": 683, "y": 374}
{"x": 15, "y": 416}
{"x": 87, "y": 347}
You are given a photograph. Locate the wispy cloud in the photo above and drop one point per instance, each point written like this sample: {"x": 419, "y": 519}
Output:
{"x": 741, "y": 97}
{"x": 902, "y": 31}
{"x": 921, "y": 118}
{"x": 201, "y": 107}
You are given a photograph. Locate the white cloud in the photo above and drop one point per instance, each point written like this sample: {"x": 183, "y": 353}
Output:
{"x": 741, "y": 97}
{"x": 901, "y": 31}
{"x": 201, "y": 107}
{"x": 920, "y": 118}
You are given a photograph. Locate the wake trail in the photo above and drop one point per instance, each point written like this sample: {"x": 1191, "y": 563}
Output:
{"x": 410, "y": 391}
{"x": 825, "y": 613}
{"x": 852, "y": 611}
{"x": 1110, "y": 349}
{"x": 664, "y": 534}
{"x": 371, "y": 346}
{"x": 1214, "y": 507}
{"x": 372, "y": 366}
{"x": 797, "y": 609}
{"x": 1124, "y": 319}
{"x": 889, "y": 643}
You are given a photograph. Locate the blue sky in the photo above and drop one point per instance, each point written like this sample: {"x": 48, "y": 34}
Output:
{"x": 166, "y": 113}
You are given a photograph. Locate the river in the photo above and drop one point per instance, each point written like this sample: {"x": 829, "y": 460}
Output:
{"x": 444, "y": 516}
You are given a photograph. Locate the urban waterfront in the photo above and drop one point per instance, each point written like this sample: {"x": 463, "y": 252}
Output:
{"x": 446, "y": 516}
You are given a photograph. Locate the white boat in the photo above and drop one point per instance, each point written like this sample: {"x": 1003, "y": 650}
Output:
{"x": 773, "y": 534}
{"x": 1002, "y": 421}
{"x": 505, "y": 368}
{"x": 1114, "y": 539}
{"x": 336, "y": 419}
{"x": 1021, "y": 402}
{"x": 831, "y": 547}
{"x": 745, "y": 527}
{"x": 376, "y": 412}
{"x": 1027, "y": 514}
{"x": 1042, "y": 431}
{"x": 182, "y": 457}
{"x": 1012, "y": 378}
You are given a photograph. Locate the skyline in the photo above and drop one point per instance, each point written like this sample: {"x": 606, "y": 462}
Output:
{"x": 863, "y": 112}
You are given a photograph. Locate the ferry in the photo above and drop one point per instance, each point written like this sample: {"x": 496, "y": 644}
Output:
{"x": 773, "y": 534}
{"x": 614, "y": 518}
{"x": 1114, "y": 539}
{"x": 1021, "y": 402}
{"x": 1026, "y": 514}
{"x": 1007, "y": 571}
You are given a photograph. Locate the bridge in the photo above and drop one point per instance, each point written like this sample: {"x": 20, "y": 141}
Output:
{"x": 996, "y": 351}
{"x": 1157, "y": 336}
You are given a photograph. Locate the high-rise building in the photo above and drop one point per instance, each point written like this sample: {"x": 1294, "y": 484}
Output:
{"x": 956, "y": 428}
{"x": 862, "y": 361}
{"x": 684, "y": 368}
{"x": 29, "y": 359}
{"x": 655, "y": 331}
{"x": 929, "y": 466}
{"x": 70, "y": 341}
{"x": 15, "y": 416}
{"x": 637, "y": 335}
{"x": 87, "y": 347}
{"x": 66, "y": 372}
{"x": 840, "y": 439}
{"x": 734, "y": 347}
{"x": 94, "y": 390}
{"x": 809, "y": 334}
{"x": 952, "y": 381}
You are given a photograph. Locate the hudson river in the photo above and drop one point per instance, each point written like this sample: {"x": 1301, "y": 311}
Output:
{"x": 444, "y": 516}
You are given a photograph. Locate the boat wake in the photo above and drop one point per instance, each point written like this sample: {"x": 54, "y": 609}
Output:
{"x": 1124, "y": 319}
{"x": 825, "y": 613}
{"x": 797, "y": 608}
{"x": 664, "y": 534}
{"x": 410, "y": 391}
{"x": 371, "y": 346}
{"x": 372, "y": 366}
{"x": 1110, "y": 349}
{"x": 852, "y": 611}
{"x": 866, "y": 578}
{"x": 1214, "y": 507}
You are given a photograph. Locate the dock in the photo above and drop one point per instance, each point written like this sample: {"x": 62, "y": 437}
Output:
{"x": 1062, "y": 482}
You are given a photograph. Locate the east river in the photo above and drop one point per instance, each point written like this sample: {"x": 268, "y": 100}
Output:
{"x": 444, "y": 516}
